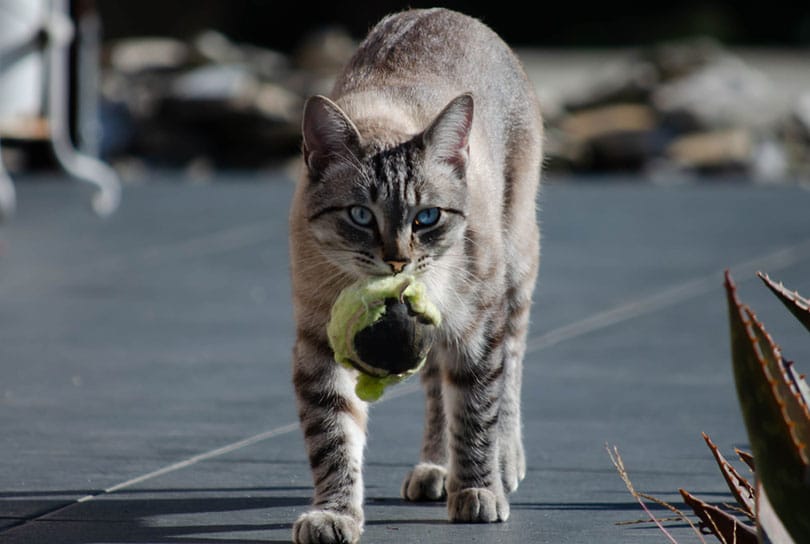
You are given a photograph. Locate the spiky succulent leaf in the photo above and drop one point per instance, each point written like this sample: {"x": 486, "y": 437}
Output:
{"x": 742, "y": 490}
{"x": 798, "y": 305}
{"x": 776, "y": 418}
{"x": 781, "y": 381}
{"x": 746, "y": 458}
{"x": 723, "y": 525}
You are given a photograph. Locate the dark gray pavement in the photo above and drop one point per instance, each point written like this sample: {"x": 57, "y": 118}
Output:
{"x": 145, "y": 389}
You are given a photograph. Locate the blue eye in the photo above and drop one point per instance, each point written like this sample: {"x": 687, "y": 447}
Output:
{"x": 361, "y": 215}
{"x": 427, "y": 217}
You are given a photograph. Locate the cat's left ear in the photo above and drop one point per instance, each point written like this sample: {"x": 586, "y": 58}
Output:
{"x": 447, "y": 139}
{"x": 328, "y": 134}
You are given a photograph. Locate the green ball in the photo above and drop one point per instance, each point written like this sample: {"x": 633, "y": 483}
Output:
{"x": 383, "y": 327}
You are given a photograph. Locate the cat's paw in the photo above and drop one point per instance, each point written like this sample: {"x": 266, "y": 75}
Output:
{"x": 425, "y": 483}
{"x": 477, "y": 505}
{"x": 325, "y": 527}
{"x": 513, "y": 464}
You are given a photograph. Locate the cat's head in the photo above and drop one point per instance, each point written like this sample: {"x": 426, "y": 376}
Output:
{"x": 383, "y": 208}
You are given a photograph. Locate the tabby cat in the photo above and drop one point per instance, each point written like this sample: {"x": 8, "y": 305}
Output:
{"x": 426, "y": 160}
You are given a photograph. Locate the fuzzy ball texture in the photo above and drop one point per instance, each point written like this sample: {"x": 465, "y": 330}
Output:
{"x": 362, "y": 308}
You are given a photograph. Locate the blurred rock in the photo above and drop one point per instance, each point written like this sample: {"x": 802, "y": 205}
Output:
{"x": 216, "y": 48}
{"x": 277, "y": 102}
{"x": 604, "y": 120}
{"x": 212, "y": 101}
{"x": 713, "y": 151}
{"x": 143, "y": 54}
{"x": 233, "y": 84}
{"x": 616, "y": 136}
{"x": 723, "y": 93}
{"x": 688, "y": 106}
{"x": 621, "y": 83}
{"x": 667, "y": 111}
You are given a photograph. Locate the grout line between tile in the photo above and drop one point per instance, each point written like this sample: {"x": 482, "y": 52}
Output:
{"x": 228, "y": 448}
{"x": 284, "y": 429}
{"x": 772, "y": 262}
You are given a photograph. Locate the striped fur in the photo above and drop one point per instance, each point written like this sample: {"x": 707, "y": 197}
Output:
{"x": 433, "y": 111}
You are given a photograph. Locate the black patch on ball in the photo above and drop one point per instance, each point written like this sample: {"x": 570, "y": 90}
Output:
{"x": 396, "y": 342}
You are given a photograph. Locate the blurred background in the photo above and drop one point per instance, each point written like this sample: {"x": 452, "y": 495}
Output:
{"x": 663, "y": 91}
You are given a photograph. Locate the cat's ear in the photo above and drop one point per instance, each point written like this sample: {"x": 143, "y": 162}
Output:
{"x": 328, "y": 133}
{"x": 447, "y": 139}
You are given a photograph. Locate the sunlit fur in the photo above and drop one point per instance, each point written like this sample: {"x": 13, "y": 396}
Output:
{"x": 433, "y": 111}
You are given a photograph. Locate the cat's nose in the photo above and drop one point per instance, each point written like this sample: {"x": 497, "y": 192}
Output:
{"x": 397, "y": 266}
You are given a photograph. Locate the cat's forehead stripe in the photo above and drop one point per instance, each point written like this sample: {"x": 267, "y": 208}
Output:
{"x": 393, "y": 174}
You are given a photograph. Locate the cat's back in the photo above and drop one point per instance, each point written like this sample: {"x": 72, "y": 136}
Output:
{"x": 432, "y": 49}
{"x": 419, "y": 41}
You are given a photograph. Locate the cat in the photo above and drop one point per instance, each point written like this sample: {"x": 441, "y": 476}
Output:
{"x": 426, "y": 160}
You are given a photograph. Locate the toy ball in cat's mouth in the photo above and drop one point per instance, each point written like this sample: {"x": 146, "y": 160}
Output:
{"x": 384, "y": 327}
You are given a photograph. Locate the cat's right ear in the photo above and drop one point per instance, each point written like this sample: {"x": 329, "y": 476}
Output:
{"x": 328, "y": 134}
{"x": 447, "y": 139}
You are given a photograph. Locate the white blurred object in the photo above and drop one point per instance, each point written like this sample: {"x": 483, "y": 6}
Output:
{"x": 21, "y": 69}
{"x": 770, "y": 162}
{"x": 35, "y": 36}
{"x": 21, "y": 63}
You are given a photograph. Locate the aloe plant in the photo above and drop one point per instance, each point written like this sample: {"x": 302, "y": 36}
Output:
{"x": 775, "y": 402}
{"x": 776, "y": 410}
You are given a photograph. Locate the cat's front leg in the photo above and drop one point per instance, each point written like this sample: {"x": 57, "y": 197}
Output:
{"x": 512, "y": 456}
{"x": 475, "y": 492}
{"x": 333, "y": 420}
{"x": 426, "y": 481}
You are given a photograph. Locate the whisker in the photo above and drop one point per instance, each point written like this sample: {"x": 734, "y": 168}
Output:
{"x": 336, "y": 274}
{"x": 470, "y": 240}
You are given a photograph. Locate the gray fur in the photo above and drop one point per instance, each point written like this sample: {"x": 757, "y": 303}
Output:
{"x": 433, "y": 110}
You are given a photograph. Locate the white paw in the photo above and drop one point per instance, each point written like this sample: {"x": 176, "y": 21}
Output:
{"x": 425, "y": 483}
{"x": 513, "y": 464}
{"x": 325, "y": 527}
{"x": 477, "y": 505}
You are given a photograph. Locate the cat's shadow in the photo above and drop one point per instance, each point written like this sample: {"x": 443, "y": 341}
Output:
{"x": 389, "y": 502}
{"x": 156, "y": 515}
